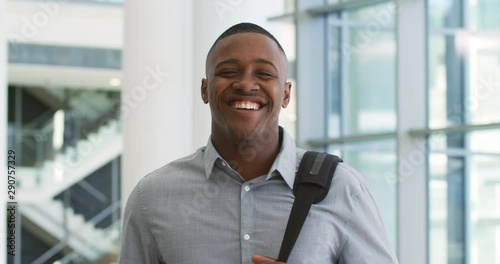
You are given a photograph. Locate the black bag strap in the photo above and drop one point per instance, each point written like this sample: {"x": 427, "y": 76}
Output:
{"x": 312, "y": 183}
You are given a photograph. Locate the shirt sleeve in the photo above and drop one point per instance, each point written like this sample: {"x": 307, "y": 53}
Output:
{"x": 367, "y": 240}
{"x": 137, "y": 242}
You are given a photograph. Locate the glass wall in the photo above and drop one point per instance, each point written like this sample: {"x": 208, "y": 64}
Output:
{"x": 464, "y": 92}
{"x": 361, "y": 97}
{"x": 462, "y": 41}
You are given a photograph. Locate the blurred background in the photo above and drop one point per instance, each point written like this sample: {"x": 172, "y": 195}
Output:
{"x": 98, "y": 93}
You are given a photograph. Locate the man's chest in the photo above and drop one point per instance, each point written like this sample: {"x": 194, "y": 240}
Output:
{"x": 229, "y": 223}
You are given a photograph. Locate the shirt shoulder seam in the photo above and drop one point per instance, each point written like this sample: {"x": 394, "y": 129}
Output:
{"x": 143, "y": 210}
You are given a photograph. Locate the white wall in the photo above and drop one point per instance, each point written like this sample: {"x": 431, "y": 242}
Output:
{"x": 68, "y": 24}
{"x": 65, "y": 24}
{"x": 156, "y": 107}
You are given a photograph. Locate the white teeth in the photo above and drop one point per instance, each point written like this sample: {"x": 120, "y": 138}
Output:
{"x": 246, "y": 105}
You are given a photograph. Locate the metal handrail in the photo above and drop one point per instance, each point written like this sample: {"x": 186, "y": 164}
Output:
{"x": 105, "y": 213}
{"x": 41, "y": 119}
{"x": 42, "y": 135}
{"x": 94, "y": 220}
{"x": 71, "y": 256}
{"x": 50, "y": 253}
{"x": 93, "y": 191}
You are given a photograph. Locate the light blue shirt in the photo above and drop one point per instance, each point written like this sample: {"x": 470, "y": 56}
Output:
{"x": 198, "y": 210}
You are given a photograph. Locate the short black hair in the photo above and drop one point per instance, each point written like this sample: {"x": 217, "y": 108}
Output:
{"x": 246, "y": 28}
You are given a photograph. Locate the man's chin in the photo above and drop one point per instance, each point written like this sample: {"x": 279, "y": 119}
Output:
{"x": 253, "y": 133}
{"x": 245, "y": 133}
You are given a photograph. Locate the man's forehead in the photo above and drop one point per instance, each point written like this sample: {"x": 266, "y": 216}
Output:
{"x": 245, "y": 40}
{"x": 246, "y": 35}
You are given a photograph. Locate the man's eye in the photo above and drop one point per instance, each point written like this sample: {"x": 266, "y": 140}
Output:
{"x": 227, "y": 73}
{"x": 265, "y": 74}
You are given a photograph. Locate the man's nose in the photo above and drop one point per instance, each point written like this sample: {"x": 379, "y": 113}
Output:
{"x": 247, "y": 83}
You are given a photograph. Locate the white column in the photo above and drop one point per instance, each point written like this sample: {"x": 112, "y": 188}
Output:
{"x": 412, "y": 153}
{"x": 157, "y": 88}
{"x": 3, "y": 129}
{"x": 210, "y": 19}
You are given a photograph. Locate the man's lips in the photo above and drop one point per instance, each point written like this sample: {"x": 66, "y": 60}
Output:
{"x": 248, "y": 104}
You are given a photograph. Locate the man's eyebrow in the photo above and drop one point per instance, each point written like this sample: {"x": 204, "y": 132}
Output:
{"x": 228, "y": 61}
{"x": 266, "y": 62}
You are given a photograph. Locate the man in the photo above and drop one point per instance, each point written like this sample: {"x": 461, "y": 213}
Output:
{"x": 229, "y": 202}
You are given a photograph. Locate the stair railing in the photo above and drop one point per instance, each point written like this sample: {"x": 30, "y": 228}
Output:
{"x": 106, "y": 212}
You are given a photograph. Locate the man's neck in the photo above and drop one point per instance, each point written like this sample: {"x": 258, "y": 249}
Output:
{"x": 250, "y": 158}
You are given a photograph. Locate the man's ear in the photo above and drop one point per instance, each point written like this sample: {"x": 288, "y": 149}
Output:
{"x": 286, "y": 94}
{"x": 204, "y": 90}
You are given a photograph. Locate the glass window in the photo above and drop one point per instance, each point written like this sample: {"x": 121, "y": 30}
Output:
{"x": 464, "y": 89}
{"x": 483, "y": 100}
{"x": 375, "y": 16}
{"x": 361, "y": 96}
{"x": 371, "y": 83}
{"x": 484, "y": 14}
{"x": 376, "y": 161}
{"x": 463, "y": 70}
{"x": 445, "y": 13}
{"x": 362, "y": 71}
{"x": 464, "y": 195}
{"x": 485, "y": 208}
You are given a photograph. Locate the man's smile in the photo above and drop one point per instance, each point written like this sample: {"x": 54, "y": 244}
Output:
{"x": 245, "y": 105}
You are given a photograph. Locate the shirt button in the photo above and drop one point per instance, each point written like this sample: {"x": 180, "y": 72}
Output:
{"x": 246, "y": 237}
{"x": 247, "y": 188}
{"x": 223, "y": 164}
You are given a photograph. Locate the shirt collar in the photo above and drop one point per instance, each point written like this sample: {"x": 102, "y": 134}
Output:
{"x": 285, "y": 163}
{"x": 210, "y": 157}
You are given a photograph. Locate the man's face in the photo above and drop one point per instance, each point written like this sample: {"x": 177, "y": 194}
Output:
{"x": 246, "y": 85}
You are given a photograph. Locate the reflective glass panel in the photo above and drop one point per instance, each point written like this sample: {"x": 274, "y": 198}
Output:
{"x": 376, "y": 161}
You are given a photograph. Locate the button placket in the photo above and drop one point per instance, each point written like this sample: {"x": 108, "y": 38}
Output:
{"x": 247, "y": 222}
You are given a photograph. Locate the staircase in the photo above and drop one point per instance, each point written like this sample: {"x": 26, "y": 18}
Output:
{"x": 88, "y": 241}
{"x": 93, "y": 103}
{"x": 73, "y": 165}
{"x": 39, "y": 186}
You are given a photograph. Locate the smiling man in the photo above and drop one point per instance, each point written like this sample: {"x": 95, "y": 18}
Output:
{"x": 229, "y": 201}
{"x": 246, "y": 87}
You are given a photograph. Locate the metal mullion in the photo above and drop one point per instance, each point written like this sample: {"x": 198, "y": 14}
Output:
{"x": 358, "y": 25}
{"x": 326, "y": 9}
{"x": 343, "y": 6}
{"x": 454, "y": 152}
{"x": 416, "y": 133}
{"x": 363, "y": 148}
{"x": 412, "y": 188}
{"x": 351, "y": 138}
{"x": 454, "y": 31}
{"x": 466, "y": 138}
{"x": 327, "y": 79}
{"x": 445, "y": 31}
{"x": 345, "y": 113}
{"x": 456, "y": 178}
{"x": 453, "y": 129}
